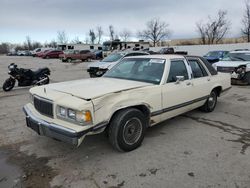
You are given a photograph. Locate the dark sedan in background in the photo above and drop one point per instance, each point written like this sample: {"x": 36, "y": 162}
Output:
{"x": 215, "y": 56}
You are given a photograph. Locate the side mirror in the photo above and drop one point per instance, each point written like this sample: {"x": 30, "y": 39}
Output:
{"x": 179, "y": 79}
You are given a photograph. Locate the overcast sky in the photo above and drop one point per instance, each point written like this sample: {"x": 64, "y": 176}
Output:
{"x": 41, "y": 19}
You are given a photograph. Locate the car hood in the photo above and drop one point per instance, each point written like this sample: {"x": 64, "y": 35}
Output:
{"x": 94, "y": 87}
{"x": 103, "y": 65}
{"x": 231, "y": 63}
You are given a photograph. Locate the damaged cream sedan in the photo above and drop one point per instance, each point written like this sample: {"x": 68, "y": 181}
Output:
{"x": 136, "y": 93}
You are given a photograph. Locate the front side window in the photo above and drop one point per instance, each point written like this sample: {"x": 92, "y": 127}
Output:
{"x": 177, "y": 68}
{"x": 148, "y": 70}
{"x": 197, "y": 69}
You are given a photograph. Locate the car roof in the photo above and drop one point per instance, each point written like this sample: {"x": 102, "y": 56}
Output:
{"x": 240, "y": 51}
{"x": 129, "y": 52}
{"x": 218, "y": 51}
{"x": 160, "y": 56}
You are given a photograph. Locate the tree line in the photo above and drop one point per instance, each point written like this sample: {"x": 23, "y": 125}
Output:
{"x": 211, "y": 31}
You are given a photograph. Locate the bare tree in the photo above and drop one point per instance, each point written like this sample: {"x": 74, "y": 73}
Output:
{"x": 62, "y": 37}
{"x": 125, "y": 34}
{"x": 76, "y": 40}
{"x": 52, "y": 44}
{"x": 86, "y": 40}
{"x": 28, "y": 43}
{"x": 4, "y": 48}
{"x": 111, "y": 32}
{"x": 215, "y": 29}
{"x": 246, "y": 21}
{"x": 155, "y": 31}
{"x": 202, "y": 31}
{"x": 92, "y": 36}
{"x": 99, "y": 34}
{"x": 36, "y": 45}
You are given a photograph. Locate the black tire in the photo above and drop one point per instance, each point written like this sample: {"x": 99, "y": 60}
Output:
{"x": 246, "y": 78}
{"x": 69, "y": 60}
{"x": 211, "y": 102}
{"x": 92, "y": 75}
{"x": 9, "y": 84}
{"x": 127, "y": 129}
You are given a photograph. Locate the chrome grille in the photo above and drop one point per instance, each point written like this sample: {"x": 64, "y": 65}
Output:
{"x": 43, "y": 106}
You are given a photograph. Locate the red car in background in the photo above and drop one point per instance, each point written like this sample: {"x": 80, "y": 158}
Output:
{"x": 83, "y": 55}
{"x": 51, "y": 54}
{"x": 40, "y": 54}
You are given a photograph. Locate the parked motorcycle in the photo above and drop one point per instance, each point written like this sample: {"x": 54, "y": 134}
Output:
{"x": 25, "y": 77}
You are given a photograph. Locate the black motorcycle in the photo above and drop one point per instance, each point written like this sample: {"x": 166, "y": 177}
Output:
{"x": 25, "y": 77}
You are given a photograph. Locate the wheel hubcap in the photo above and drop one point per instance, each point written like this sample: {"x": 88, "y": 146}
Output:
{"x": 132, "y": 131}
{"x": 212, "y": 100}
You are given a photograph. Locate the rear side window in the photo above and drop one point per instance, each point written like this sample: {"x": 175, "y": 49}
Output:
{"x": 209, "y": 66}
{"x": 197, "y": 69}
{"x": 177, "y": 68}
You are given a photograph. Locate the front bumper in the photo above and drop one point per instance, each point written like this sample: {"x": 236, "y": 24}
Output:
{"x": 55, "y": 131}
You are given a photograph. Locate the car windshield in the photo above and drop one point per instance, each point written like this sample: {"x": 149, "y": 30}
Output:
{"x": 106, "y": 47}
{"x": 113, "y": 57}
{"x": 68, "y": 51}
{"x": 237, "y": 57}
{"x": 214, "y": 54}
{"x": 148, "y": 70}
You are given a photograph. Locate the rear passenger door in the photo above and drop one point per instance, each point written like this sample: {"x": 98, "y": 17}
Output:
{"x": 176, "y": 95}
{"x": 200, "y": 78}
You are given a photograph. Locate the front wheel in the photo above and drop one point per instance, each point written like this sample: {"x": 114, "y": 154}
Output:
{"x": 69, "y": 60}
{"x": 211, "y": 102}
{"x": 127, "y": 129}
{"x": 9, "y": 84}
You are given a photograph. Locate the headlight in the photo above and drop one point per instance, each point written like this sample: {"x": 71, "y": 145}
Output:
{"x": 62, "y": 111}
{"x": 71, "y": 114}
{"x": 79, "y": 117}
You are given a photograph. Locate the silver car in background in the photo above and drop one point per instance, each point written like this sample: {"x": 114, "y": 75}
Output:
{"x": 97, "y": 69}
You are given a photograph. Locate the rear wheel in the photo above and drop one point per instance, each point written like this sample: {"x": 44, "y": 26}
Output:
{"x": 9, "y": 84}
{"x": 211, "y": 102}
{"x": 127, "y": 129}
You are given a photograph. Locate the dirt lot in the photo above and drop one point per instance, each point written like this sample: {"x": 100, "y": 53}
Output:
{"x": 192, "y": 150}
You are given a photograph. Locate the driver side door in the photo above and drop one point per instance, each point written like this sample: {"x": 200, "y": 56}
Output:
{"x": 176, "y": 95}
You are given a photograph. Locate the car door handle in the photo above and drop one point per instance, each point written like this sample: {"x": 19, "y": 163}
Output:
{"x": 188, "y": 83}
{"x": 208, "y": 79}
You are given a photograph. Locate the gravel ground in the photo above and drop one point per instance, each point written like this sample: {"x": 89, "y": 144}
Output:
{"x": 192, "y": 150}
